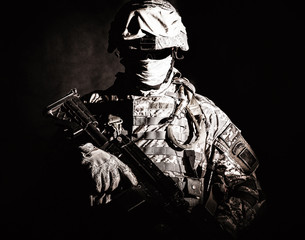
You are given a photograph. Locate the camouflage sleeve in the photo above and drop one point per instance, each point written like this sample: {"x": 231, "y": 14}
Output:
{"x": 235, "y": 186}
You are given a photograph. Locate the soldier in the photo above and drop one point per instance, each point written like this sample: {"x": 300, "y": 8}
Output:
{"x": 184, "y": 133}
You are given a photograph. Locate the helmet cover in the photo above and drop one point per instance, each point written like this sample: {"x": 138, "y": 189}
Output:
{"x": 152, "y": 24}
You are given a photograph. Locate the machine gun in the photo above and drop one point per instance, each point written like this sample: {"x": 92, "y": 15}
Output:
{"x": 153, "y": 187}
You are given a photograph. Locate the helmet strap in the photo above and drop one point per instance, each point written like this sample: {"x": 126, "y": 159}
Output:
{"x": 169, "y": 73}
{"x": 175, "y": 54}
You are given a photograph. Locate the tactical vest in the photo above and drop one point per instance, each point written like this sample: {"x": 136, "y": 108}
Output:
{"x": 178, "y": 153}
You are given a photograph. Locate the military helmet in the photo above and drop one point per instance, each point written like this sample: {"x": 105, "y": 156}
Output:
{"x": 147, "y": 25}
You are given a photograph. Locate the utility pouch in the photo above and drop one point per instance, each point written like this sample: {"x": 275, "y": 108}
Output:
{"x": 195, "y": 187}
{"x": 194, "y": 191}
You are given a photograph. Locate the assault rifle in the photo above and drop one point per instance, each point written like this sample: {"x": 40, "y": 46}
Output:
{"x": 153, "y": 186}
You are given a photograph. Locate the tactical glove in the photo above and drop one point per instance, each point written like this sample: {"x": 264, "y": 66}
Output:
{"x": 105, "y": 168}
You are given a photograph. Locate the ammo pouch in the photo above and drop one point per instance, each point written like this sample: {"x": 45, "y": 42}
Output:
{"x": 194, "y": 190}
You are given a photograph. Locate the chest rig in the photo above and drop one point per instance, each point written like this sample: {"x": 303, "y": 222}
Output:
{"x": 170, "y": 129}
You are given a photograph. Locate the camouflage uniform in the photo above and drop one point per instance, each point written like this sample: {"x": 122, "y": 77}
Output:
{"x": 184, "y": 133}
{"x": 217, "y": 171}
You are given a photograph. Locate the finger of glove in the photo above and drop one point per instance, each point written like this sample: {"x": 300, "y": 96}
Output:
{"x": 106, "y": 180}
{"x": 100, "y": 199}
{"x": 128, "y": 173}
{"x": 97, "y": 176}
{"x": 115, "y": 179}
{"x": 107, "y": 198}
{"x": 104, "y": 199}
{"x": 94, "y": 98}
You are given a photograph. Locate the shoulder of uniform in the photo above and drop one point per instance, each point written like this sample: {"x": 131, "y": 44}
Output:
{"x": 226, "y": 136}
{"x": 215, "y": 117}
{"x": 205, "y": 100}
{"x": 223, "y": 134}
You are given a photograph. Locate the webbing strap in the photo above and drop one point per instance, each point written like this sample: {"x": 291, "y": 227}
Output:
{"x": 165, "y": 166}
{"x": 169, "y": 152}
{"x": 160, "y": 135}
{"x": 198, "y": 155}
{"x": 162, "y": 151}
{"x": 138, "y": 121}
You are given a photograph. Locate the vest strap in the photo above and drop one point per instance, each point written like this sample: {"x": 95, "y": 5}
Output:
{"x": 165, "y": 166}
{"x": 159, "y": 135}
{"x": 138, "y": 121}
{"x": 162, "y": 151}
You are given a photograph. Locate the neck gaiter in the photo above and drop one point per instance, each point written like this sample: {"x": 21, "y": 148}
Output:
{"x": 148, "y": 72}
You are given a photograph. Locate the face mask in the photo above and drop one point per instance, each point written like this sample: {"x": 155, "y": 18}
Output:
{"x": 149, "y": 72}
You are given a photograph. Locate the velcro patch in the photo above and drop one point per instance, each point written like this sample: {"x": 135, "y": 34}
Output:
{"x": 232, "y": 142}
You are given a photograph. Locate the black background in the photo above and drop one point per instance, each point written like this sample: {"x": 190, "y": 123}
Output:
{"x": 247, "y": 56}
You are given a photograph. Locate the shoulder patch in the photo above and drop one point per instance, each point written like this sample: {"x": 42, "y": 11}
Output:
{"x": 232, "y": 142}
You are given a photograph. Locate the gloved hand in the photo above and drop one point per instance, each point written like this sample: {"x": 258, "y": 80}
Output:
{"x": 105, "y": 168}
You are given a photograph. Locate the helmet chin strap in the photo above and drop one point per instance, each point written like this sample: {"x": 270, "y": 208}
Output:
{"x": 171, "y": 67}
{"x": 175, "y": 54}
{"x": 174, "y": 57}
